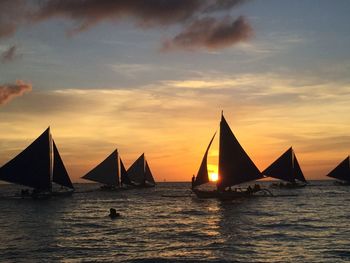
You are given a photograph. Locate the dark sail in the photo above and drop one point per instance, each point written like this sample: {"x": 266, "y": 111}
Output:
{"x": 342, "y": 171}
{"x": 148, "y": 176}
{"x": 124, "y": 179}
{"x": 282, "y": 168}
{"x": 107, "y": 172}
{"x": 202, "y": 175}
{"x": 32, "y": 166}
{"x": 298, "y": 174}
{"x": 235, "y": 166}
{"x": 60, "y": 174}
{"x": 136, "y": 172}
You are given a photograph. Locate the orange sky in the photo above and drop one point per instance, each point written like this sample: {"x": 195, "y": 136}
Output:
{"x": 175, "y": 130}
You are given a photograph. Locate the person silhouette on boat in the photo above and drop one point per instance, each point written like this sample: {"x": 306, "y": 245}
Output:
{"x": 249, "y": 190}
{"x": 113, "y": 213}
{"x": 193, "y": 180}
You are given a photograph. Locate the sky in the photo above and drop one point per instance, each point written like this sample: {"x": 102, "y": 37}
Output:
{"x": 153, "y": 76}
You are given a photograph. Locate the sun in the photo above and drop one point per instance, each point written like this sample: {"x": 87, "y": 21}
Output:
{"x": 213, "y": 177}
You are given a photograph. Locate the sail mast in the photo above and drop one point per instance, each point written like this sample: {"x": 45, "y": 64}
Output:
{"x": 341, "y": 171}
{"x": 106, "y": 172}
{"x": 32, "y": 166}
{"x": 298, "y": 173}
{"x": 202, "y": 175}
{"x": 136, "y": 172}
{"x": 124, "y": 179}
{"x": 51, "y": 154}
{"x": 148, "y": 176}
{"x": 235, "y": 166}
{"x": 60, "y": 175}
{"x": 282, "y": 168}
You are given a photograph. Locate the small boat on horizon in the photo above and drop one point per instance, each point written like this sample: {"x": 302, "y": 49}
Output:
{"x": 39, "y": 167}
{"x": 140, "y": 174}
{"x": 341, "y": 172}
{"x": 111, "y": 173}
{"x": 286, "y": 168}
{"x": 235, "y": 167}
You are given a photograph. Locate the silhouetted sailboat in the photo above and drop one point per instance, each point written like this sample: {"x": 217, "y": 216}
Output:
{"x": 140, "y": 174}
{"x": 38, "y": 166}
{"x": 342, "y": 172}
{"x": 108, "y": 172}
{"x": 235, "y": 167}
{"x": 286, "y": 168}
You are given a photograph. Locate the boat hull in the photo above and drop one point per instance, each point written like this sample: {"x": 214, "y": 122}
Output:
{"x": 287, "y": 185}
{"x": 341, "y": 183}
{"x": 37, "y": 194}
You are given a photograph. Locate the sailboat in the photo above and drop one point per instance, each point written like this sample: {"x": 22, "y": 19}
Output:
{"x": 286, "y": 168}
{"x": 39, "y": 167}
{"x": 111, "y": 173}
{"x": 342, "y": 172}
{"x": 140, "y": 174}
{"x": 235, "y": 167}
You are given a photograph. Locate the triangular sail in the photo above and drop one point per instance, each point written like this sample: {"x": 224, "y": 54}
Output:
{"x": 60, "y": 174}
{"x": 148, "y": 176}
{"x": 32, "y": 166}
{"x": 107, "y": 172}
{"x": 235, "y": 166}
{"x": 298, "y": 174}
{"x": 124, "y": 179}
{"x": 282, "y": 168}
{"x": 342, "y": 171}
{"x": 202, "y": 175}
{"x": 136, "y": 172}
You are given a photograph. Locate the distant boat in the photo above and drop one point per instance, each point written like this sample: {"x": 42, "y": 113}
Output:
{"x": 286, "y": 168}
{"x": 140, "y": 174}
{"x": 38, "y": 167}
{"x": 235, "y": 167}
{"x": 342, "y": 172}
{"x": 111, "y": 173}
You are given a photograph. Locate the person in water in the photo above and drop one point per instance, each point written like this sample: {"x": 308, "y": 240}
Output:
{"x": 113, "y": 213}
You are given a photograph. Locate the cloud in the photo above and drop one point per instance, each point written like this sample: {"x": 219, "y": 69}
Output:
{"x": 12, "y": 14}
{"x": 90, "y": 12}
{"x": 87, "y": 13}
{"x": 9, "y": 54}
{"x": 210, "y": 33}
{"x": 146, "y": 13}
{"x": 9, "y": 91}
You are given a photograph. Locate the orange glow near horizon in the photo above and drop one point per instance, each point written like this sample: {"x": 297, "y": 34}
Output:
{"x": 177, "y": 151}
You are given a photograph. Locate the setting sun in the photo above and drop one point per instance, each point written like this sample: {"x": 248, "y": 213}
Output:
{"x": 213, "y": 177}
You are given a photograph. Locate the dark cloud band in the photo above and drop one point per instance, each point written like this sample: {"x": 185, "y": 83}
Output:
{"x": 210, "y": 33}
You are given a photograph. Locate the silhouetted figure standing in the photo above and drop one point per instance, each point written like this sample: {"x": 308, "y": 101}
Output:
{"x": 113, "y": 213}
{"x": 193, "y": 180}
{"x": 249, "y": 190}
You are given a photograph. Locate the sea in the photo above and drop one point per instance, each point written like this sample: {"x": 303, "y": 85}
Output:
{"x": 169, "y": 224}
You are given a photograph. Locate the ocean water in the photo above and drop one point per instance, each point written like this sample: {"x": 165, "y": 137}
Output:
{"x": 167, "y": 224}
